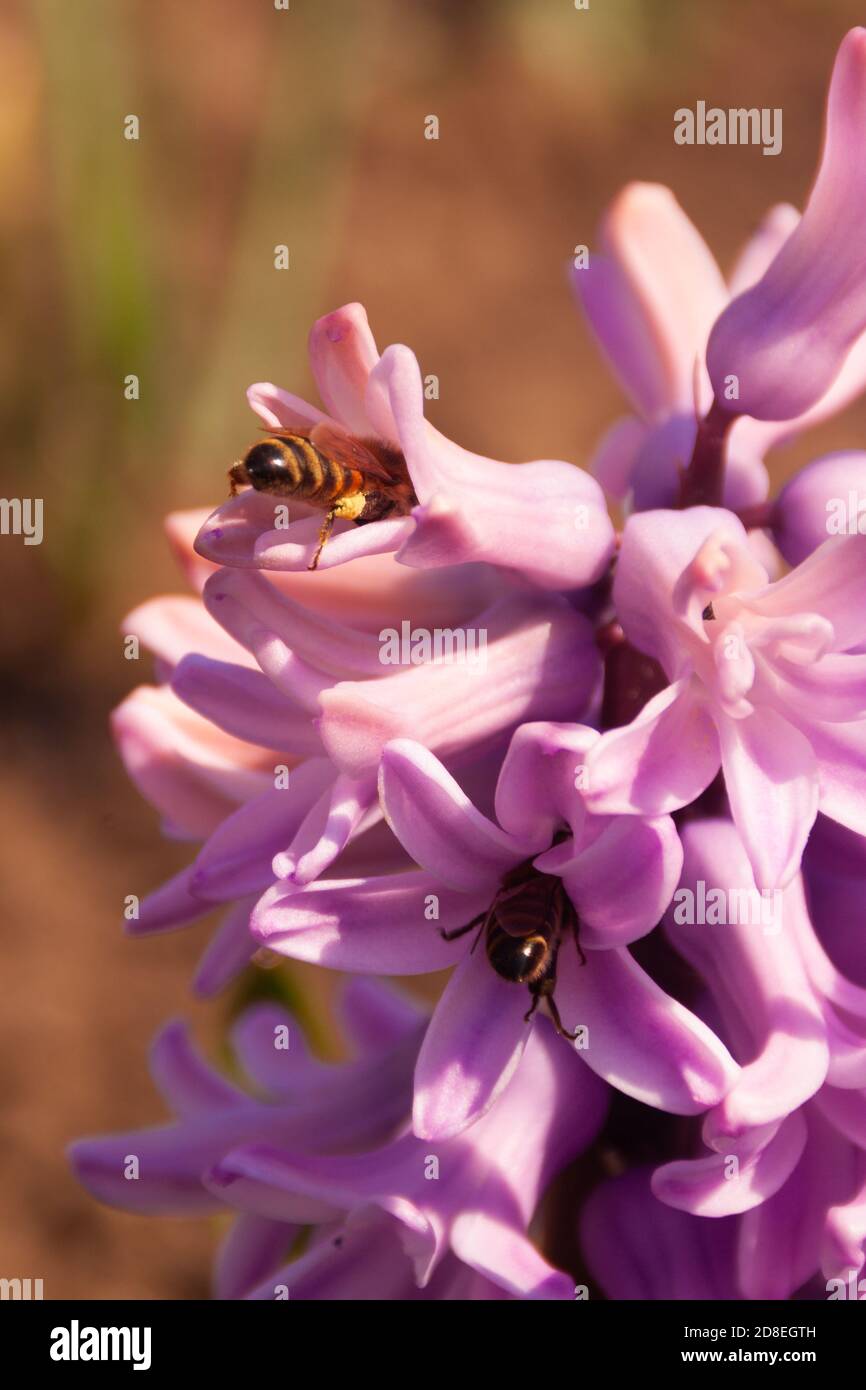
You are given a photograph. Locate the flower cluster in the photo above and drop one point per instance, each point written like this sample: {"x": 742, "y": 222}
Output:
{"x": 631, "y": 819}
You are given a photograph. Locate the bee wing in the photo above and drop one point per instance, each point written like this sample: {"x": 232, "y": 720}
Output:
{"x": 342, "y": 448}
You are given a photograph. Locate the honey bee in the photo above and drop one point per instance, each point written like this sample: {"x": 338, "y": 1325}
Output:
{"x": 523, "y": 929}
{"x": 347, "y": 478}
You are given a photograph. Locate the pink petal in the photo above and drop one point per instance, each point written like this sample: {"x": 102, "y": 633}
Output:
{"x": 187, "y": 1083}
{"x": 817, "y": 498}
{"x": 841, "y": 753}
{"x": 616, "y": 454}
{"x": 781, "y": 1239}
{"x": 386, "y": 926}
{"x": 436, "y": 822}
{"x": 653, "y": 301}
{"x": 173, "y": 626}
{"x": 376, "y": 1015}
{"x": 228, "y": 952}
{"x": 832, "y": 688}
{"x": 622, "y": 883}
{"x": 640, "y": 1039}
{"x": 237, "y": 857}
{"x": 293, "y": 547}
{"x": 808, "y": 306}
{"x": 844, "y": 1245}
{"x": 499, "y": 1252}
{"x": 245, "y": 704}
{"x": 252, "y": 1247}
{"x": 662, "y": 760}
{"x": 184, "y": 767}
{"x": 763, "y": 246}
{"x": 705, "y": 1187}
{"x": 281, "y": 410}
{"x": 247, "y": 604}
{"x": 343, "y": 811}
{"x": 181, "y": 528}
{"x": 771, "y": 779}
{"x": 539, "y": 662}
{"x": 537, "y": 788}
{"x": 546, "y": 519}
{"x": 471, "y": 1049}
{"x": 342, "y": 356}
{"x": 657, "y": 558}
{"x": 831, "y": 583}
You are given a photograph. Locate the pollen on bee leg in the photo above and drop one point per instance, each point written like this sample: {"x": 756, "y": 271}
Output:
{"x": 350, "y": 508}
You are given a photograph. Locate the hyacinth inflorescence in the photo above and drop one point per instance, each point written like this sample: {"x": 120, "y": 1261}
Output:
{"x": 631, "y": 818}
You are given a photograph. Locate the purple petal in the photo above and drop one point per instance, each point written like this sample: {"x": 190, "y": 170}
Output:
{"x": 639, "y": 1039}
{"x": 245, "y": 704}
{"x": 247, "y": 604}
{"x": 375, "y": 1015}
{"x": 171, "y": 905}
{"x": 252, "y": 1247}
{"x": 817, "y": 500}
{"x": 342, "y": 356}
{"x": 658, "y": 549}
{"x": 540, "y": 661}
{"x": 830, "y": 583}
{"x": 809, "y": 306}
{"x": 281, "y": 410}
{"x": 616, "y": 454}
{"x": 499, "y": 1252}
{"x": 639, "y": 1248}
{"x": 537, "y": 787}
{"x": 344, "y": 810}
{"x": 546, "y": 519}
{"x": 187, "y": 1083}
{"x": 192, "y": 773}
{"x": 652, "y": 298}
{"x": 662, "y": 760}
{"x": 471, "y": 1049}
{"x": 236, "y": 860}
{"x": 771, "y": 778}
{"x": 227, "y": 953}
{"x": 711, "y": 1186}
{"x": 622, "y": 883}
{"x": 386, "y": 926}
{"x": 438, "y": 825}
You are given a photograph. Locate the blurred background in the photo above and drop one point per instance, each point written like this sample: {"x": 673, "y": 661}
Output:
{"x": 155, "y": 257}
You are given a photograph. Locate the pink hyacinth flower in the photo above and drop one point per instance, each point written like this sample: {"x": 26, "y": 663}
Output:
{"x": 619, "y": 873}
{"x": 763, "y": 684}
{"x": 786, "y": 339}
{"x": 487, "y": 1186}
{"x": 545, "y": 520}
{"x": 651, "y": 296}
{"x": 788, "y": 1141}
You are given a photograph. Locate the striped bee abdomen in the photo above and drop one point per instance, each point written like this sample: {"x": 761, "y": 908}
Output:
{"x": 292, "y": 466}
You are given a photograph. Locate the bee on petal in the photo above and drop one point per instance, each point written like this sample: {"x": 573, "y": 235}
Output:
{"x": 348, "y": 479}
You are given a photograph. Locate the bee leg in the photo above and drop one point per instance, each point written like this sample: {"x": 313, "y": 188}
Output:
{"x": 575, "y": 929}
{"x": 533, "y": 1006}
{"x": 461, "y": 931}
{"x": 327, "y": 527}
{"x": 557, "y": 1021}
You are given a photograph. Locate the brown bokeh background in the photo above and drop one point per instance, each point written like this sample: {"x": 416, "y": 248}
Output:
{"x": 259, "y": 127}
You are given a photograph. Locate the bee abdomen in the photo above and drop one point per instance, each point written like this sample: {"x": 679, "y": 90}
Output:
{"x": 520, "y": 959}
{"x": 322, "y": 479}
